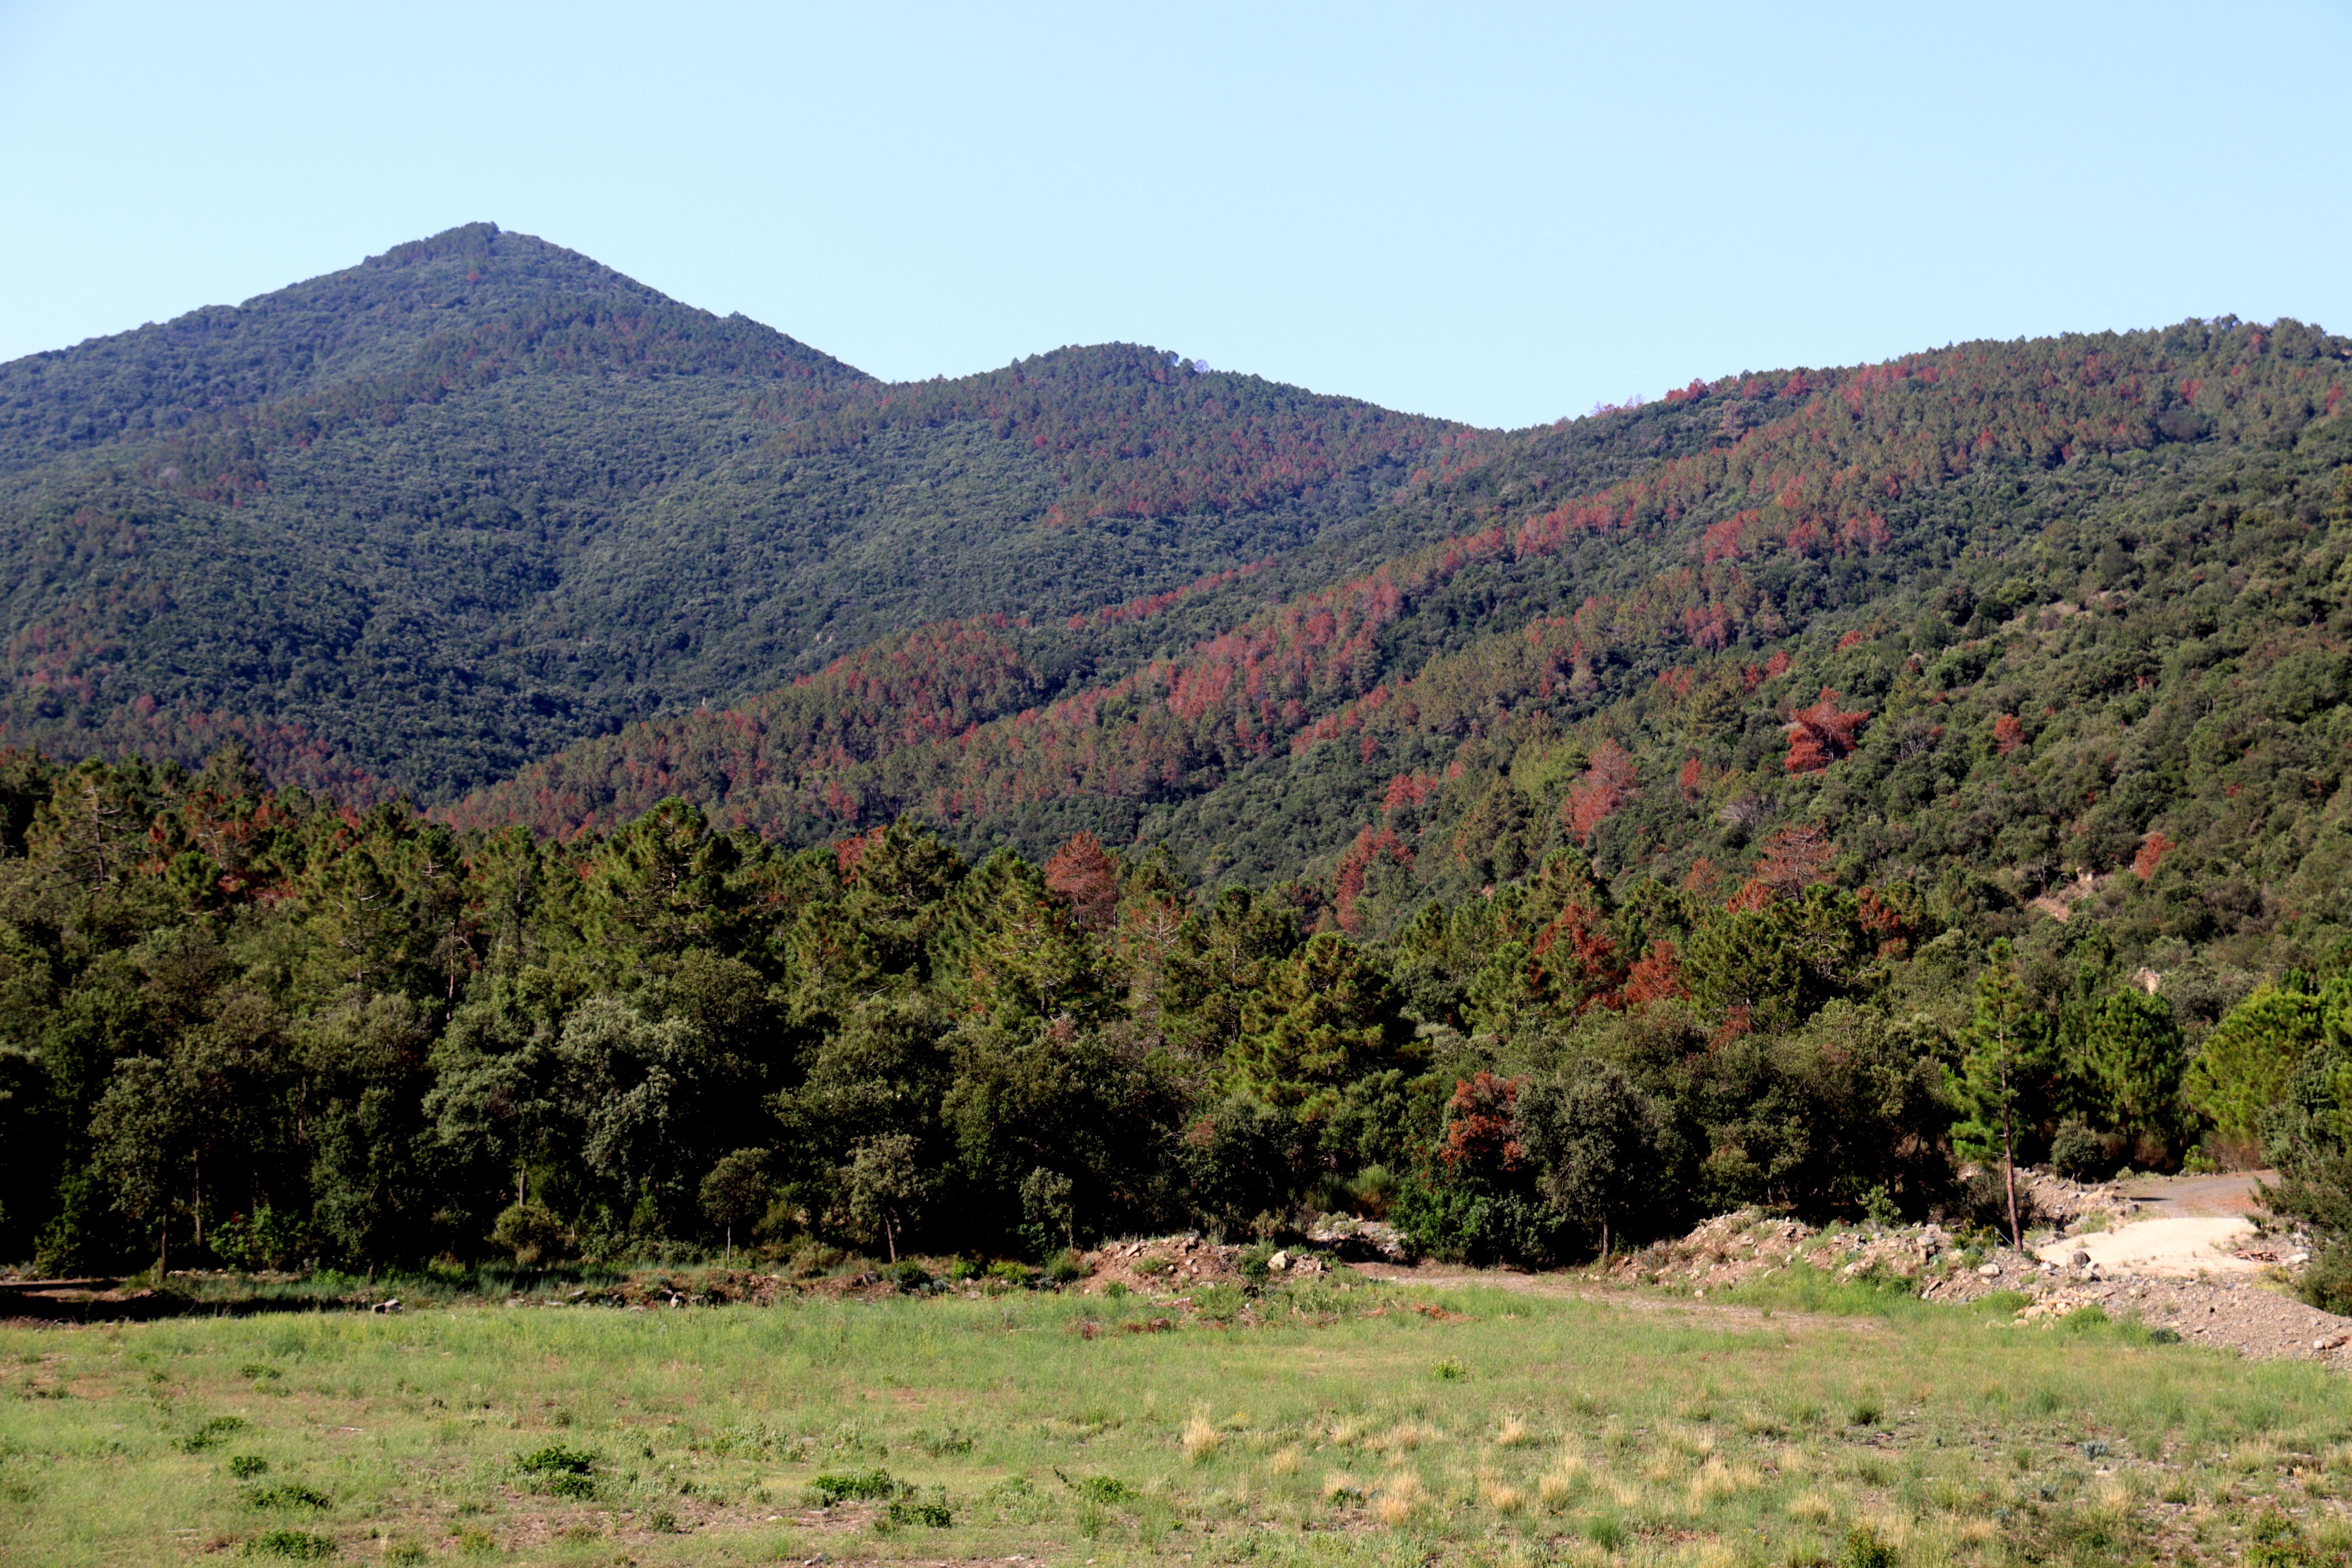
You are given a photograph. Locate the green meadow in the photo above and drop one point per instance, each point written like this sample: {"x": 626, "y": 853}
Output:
{"x": 1374, "y": 1424}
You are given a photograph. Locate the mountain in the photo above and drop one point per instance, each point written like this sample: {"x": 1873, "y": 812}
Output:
{"x": 2015, "y": 614}
{"x": 414, "y": 524}
{"x": 1811, "y": 789}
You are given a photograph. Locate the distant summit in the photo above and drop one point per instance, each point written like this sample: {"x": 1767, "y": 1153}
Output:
{"x": 430, "y": 517}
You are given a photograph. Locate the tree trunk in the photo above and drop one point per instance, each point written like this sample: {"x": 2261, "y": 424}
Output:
{"x": 200, "y": 1199}
{"x": 1604, "y": 1244}
{"x": 2009, "y": 1164}
{"x": 890, "y": 1239}
{"x": 730, "y": 1244}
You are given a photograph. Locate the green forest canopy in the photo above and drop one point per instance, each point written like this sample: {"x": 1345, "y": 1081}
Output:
{"x": 1130, "y": 797}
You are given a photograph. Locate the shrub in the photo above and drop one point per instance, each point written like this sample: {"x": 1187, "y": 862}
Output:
{"x": 1065, "y": 1268}
{"x": 2078, "y": 1153}
{"x": 529, "y": 1233}
{"x": 288, "y": 1494}
{"x": 555, "y": 1459}
{"x": 560, "y": 1471}
{"x": 933, "y": 1515}
{"x": 907, "y": 1275}
{"x": 841, "y": 1486}
{"x": 245, "y": 1467}
{"x": 300, "y": 1545}
{"x": 264, "y": 1239}
{"x": 211, "y": 1433}
{"x": 1865, "y": 1549}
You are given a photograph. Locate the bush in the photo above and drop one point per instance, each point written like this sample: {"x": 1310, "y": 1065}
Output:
{"x": 266, "y": 1240}
{"x": 300, "y": 1545}
{"x": 210, "y": 1432}
{"x": 555, "y": 1461}
{"x": 529, "y": 1233}
{"x": 933, "y": 1515}
{"x": 2078, "y": 1153}
{"x": 907, "y": 1275}
{"x": 1984, "y": 1204}
{"x": 841, "y": 1486}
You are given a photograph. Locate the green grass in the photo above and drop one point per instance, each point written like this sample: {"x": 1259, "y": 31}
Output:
{"x": 1353, "y": 1431}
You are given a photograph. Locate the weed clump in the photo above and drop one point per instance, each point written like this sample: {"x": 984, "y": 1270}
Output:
{"x": 288, "y": 1494}
{"x": 1201, "y": 1438}
{"x": 931, "y": 1515}
{"x": 560, "y": 1471}
{"x": 842, "y": 1486}
{"x": 210, "y": 1434}
{"x": 299, "y": 1544}
{"x": 245, "y": 1467}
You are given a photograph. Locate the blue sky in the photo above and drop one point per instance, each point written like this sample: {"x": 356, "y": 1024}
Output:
{"x": 1502, "y": 214}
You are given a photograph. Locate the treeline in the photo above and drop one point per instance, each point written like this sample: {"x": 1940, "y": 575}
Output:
{"x": 247, "y": 1028}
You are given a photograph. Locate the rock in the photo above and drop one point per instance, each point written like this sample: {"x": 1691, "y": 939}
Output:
{"x": 2079, "y": 1259}
{"x": 1989, "y": 1270}
{"x": 1278, "y": 1262}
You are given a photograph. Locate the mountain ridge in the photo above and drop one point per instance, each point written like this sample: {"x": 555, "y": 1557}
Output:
{"x": 528, "y": 500}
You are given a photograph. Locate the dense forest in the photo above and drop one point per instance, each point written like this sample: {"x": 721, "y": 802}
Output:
{"x": 509, "y": 764}
{"x": 246, "y": 1026}
{"x": 411, "y": 526}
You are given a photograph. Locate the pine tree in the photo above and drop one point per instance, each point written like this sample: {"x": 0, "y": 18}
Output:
{"x": 2009, "y": 1052}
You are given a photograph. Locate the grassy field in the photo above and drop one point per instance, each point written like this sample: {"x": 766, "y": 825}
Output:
{"x": 1344, "y": 1425}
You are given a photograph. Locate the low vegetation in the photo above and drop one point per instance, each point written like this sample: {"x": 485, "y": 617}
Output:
{"x": 1331, "y": 1423}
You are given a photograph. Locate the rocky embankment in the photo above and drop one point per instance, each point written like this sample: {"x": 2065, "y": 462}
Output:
{"x": 2178, "y": 1256}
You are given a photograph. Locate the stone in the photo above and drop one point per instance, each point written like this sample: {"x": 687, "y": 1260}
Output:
{"x": 1989, "y": 1270}
{"x": 2079, "y": 1259}
{"x": 1278, "y": 1262}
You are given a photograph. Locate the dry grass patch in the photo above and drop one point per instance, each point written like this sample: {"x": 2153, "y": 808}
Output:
{"x": 1202, "y": 1439}
{"x": 1502, "y": 1498}
{"x": 1399, "y": 1500}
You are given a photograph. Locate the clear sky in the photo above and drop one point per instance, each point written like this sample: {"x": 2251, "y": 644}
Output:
{"x": 1501, "y": 213}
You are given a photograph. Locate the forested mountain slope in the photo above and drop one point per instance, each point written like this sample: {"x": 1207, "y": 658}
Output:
{"x": 414, "y": 524}
{"x": 2007, "y": 612}
{"x": 1813, "y": 790}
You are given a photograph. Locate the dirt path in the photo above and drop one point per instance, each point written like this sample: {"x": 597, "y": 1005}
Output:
{"x": 2173, "y": 1197}
{"x": 2189, "y": 1227}
{"x": 2189, "y": 1246}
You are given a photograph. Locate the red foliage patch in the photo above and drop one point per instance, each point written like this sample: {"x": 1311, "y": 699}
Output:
{"x": 1482, "y": 1127}
{"x": 1820, "y": 735}
{"x": 1606, "y": 785}
{"x": 1795, "y": 858}
{"x": 1655, "y": 976}
{"x": 1082, "y": 872}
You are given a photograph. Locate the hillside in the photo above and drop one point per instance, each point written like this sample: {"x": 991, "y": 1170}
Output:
{"x": 414, "y": 524}
{"x": 1134, "y": 798}
{"x": 2028, "y": 609}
